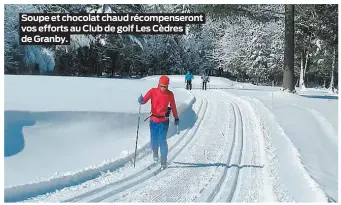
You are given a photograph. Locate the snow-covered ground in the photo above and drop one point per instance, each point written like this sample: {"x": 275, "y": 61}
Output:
{"x": 73, "y": 139}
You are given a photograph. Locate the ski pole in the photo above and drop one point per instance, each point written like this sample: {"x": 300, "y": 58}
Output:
{"x": 177, "y": 129}
{"x": 137, "y": 132}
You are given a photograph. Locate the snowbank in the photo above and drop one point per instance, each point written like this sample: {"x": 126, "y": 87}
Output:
{"x": 63, "y": 131}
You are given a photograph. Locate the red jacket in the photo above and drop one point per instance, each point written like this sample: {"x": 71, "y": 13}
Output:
{"x": 159, "y": 103}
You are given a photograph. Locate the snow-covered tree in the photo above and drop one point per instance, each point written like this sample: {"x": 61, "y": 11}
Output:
{"x": 18, "y": 57}
{"x": 249, "y": 49}
{"x": 243, "y": 42}
{"x": 315, "y": 28}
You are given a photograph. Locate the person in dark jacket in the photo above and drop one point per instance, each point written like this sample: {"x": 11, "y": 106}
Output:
{"x": 205, "y": 79}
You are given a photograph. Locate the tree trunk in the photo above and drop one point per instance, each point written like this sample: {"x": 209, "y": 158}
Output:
{"x": 306, "y": 58}
{"x": 331, "y": 86}
{"x": 288, "y": 74}
{"x": 306, "y": 63}
{"x": 301, "y": 84}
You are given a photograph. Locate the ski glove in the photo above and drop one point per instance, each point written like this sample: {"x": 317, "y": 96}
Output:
{"x": 176, "y": 122}
{"x": 140, "y": 99}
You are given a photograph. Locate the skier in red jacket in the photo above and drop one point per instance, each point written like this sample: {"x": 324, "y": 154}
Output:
{"x": 160, "y": 97}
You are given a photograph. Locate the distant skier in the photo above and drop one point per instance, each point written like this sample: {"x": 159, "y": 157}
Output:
{"x": 188, "y": 80}
{"x": 159, "y": 119}
{"x": 205, "y": 79}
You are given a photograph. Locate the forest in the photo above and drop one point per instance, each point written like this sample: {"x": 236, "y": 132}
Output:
{"x": 283, "y": 45}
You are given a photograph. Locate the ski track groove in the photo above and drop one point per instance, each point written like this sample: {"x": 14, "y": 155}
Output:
{"x": 226, "y": 187}
{"x": 150, "y": 173}
{"x": 241, "y": 154}
{"x": 216, "y": 190}
{"x": 246, "y": 183}
{"x": 255, "y": 185}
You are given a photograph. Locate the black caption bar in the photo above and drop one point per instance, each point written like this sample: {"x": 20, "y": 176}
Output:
{"x": 128, "y": 18}
{"x": 56, "y": 28}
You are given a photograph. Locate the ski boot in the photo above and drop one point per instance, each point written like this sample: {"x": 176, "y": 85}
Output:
{"x": 155, "y": 157}
{"x": 163, "y": 165}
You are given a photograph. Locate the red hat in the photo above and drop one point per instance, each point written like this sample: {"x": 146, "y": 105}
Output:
{"x": 164, "y": 80}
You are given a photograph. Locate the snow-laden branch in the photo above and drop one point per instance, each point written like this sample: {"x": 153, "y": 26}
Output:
{"x": 253, "y": 48}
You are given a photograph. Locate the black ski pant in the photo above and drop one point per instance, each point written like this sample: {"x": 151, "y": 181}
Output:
{"x": 189, "y": 85}
{"x": 204, "y": 85}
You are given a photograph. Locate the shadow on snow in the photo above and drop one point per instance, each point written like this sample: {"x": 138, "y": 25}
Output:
{"x": 198, "y": 165}
{"x": 327, "y": 97}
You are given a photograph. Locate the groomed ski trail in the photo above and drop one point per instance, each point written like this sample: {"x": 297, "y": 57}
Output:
{"x": 248, "y": 179}
{"x": 278, "y": 154}
{"x": 227, "y": 156}
{"x": 213, "y": 159}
